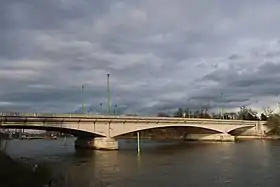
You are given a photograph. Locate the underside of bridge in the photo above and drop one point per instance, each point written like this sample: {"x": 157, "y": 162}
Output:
{"x": 180, "y": 133}
{"x": 85, "y": 140}
{"x": 73, "y": 132}
{"x": 174, "y": 132}
{"x": 238, "y": 131}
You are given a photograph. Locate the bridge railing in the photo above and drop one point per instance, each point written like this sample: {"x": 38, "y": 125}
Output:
{"x": 123, "y": 118}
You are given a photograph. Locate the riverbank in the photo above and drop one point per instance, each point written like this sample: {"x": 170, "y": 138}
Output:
{"x": 270, "y": 137}
{"x": 242, "y": 137}
{"x": 37, "y": 138}
{"x": 18, "y": 174}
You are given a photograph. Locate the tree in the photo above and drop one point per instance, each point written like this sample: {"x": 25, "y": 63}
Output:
{"x": 188, "y": 112}
{"x": 179, "y": 113}
{"x": 247, "y": 114}
{"x": 205, "y": 115}
{"x": 197, "y": 114}
{"x": 132, "y": 115}
{"x": 273, "y": 122}
{"x": 231, "y": 115}
{"x": 205, "y": 108}
{"x": 264, "y": 117}
{"x": 216, "y": 116}
{"x": 161, "y": 114}
{"x": 267, "y": 111}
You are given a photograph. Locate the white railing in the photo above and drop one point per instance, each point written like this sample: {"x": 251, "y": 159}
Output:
{"x": 125, "y": 118}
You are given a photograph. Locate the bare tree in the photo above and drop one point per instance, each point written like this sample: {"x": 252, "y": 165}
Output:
{"x": 267, "y": 111}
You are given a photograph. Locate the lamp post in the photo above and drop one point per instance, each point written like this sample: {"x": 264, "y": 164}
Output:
{"x": 115, "y": 107}
{"x": 189, "y": 109}
{"x": 101, "y": 104}
{"x": 109, "y": 95}
{"x": 222, "y": 113}
{"x": 109, "y": 103}
{"x": 83, "y": 100}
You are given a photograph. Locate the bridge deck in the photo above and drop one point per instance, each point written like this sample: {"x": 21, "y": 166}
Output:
{"x": 35, "y": 117}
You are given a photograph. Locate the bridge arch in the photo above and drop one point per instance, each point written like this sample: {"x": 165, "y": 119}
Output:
{"x": 72, "y": 131}
{"x": 141, "y": 127}
{"x": 240, "y": 129}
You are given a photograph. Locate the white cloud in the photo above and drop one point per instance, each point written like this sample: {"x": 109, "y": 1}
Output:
{"x": 18, "y": 75}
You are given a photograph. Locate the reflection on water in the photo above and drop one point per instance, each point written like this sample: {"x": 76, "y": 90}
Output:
{"x": 252, "y": 163}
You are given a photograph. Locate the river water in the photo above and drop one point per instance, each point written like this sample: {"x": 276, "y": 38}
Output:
{"x": 242, "y": 164}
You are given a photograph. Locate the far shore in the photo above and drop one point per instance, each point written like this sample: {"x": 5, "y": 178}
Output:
{"x": 267, "y": 137}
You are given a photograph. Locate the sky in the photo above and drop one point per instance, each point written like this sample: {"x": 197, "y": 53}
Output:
{"x": 160, "y": 54}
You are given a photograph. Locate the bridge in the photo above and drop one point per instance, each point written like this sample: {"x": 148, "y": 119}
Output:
{"x": 100, "y": 132}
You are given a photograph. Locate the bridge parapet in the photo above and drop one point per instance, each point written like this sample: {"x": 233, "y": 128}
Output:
{"x": 120, "y": 119}
{"x": 135, "y": 119}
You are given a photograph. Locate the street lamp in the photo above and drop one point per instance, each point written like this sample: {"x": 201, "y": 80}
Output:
{"x": 222, "y": 113}
{"x": 115, "y": 107}
{"x": 83, "y": 100}
{"x": 108, "y": 92}
{"x": 109, "y": 103}
{"x": 101, "y": 104}
{"x": 189, "y": 109}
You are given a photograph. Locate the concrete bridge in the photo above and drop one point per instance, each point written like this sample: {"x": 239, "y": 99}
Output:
{"x": 99, "y": 131}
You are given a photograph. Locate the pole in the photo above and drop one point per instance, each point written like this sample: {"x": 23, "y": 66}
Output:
{"x": 115, "y": 107}
{"x": 101, "y": 108}
{"x": 83, "y": 100}
{"x": 109, "y": 103}
{"x": 189, "y": 109}
{"x": 108, "y": 92}
{"x": 138, "y": 143}
{"x": 222, "y": 113}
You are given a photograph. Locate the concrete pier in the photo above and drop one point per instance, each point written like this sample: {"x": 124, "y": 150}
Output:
{"x": 222, "y": 137}
{"x": 100, "y": 143}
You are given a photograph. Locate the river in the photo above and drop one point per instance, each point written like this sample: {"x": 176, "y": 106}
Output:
{"x": 242, "y": 164}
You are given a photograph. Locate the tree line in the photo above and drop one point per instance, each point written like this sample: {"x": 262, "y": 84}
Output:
{"x": 243, "y": 114}
{"x": 272, "y": 118}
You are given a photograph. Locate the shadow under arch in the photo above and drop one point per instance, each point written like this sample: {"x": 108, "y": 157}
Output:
{"x": 74, "y": 132}
{"x": 239, "y": 130}
{"x": 170, "y": 130}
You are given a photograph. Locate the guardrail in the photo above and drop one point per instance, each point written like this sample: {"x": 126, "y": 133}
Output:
{"x": 84, "y": 117}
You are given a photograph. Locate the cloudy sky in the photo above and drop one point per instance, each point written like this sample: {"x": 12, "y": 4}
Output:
{"x": 161, "y": 54}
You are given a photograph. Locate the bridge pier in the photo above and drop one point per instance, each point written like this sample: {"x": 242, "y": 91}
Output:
{"x": 99, "y": 143}
{"x": 221, "y": 137}
{"x": 3, "y": 144}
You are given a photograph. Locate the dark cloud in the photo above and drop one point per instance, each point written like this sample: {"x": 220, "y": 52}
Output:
{"x": 241, "y": 88}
